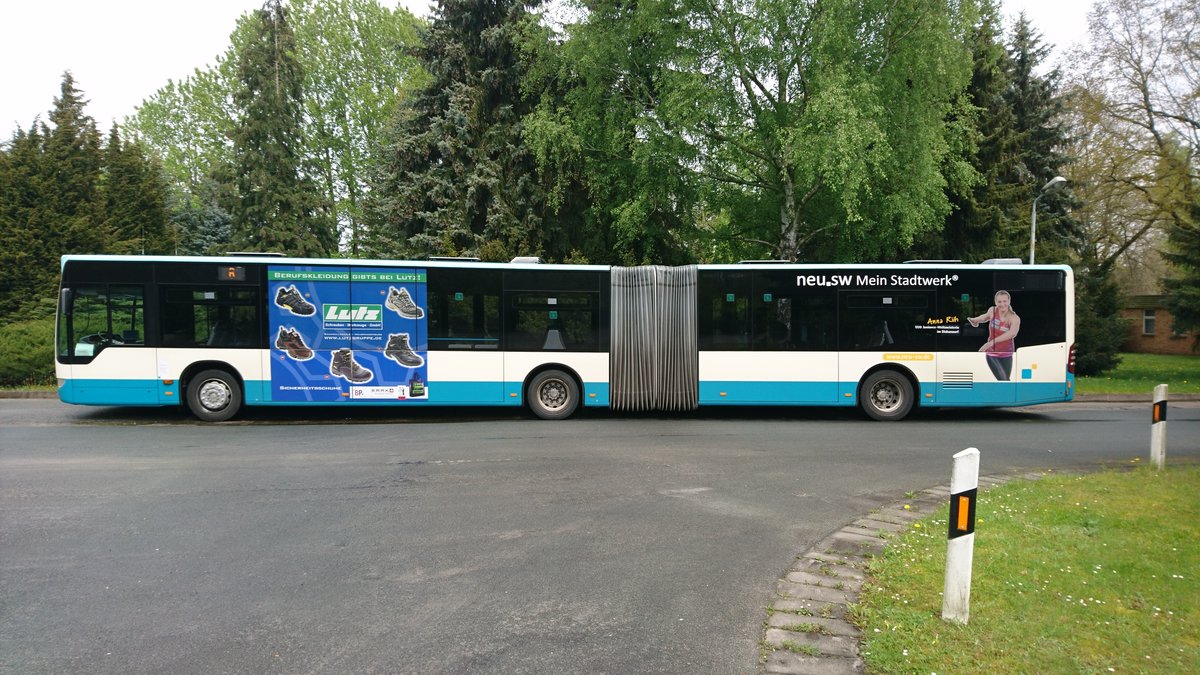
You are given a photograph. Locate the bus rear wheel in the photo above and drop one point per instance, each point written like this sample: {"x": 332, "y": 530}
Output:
{"x": 214, "y": 396}
{"x": 886, "y": 395}
{"x": 552, "y": 395}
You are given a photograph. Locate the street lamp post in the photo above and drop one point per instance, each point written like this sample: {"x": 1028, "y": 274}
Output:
{"x": 1057, "y": 183}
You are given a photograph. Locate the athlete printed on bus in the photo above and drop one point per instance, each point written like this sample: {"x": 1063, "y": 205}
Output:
{"x": 1003, "y": 325}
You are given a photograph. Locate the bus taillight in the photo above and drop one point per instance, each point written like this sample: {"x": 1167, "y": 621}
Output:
{"x": 1071, "y": 360}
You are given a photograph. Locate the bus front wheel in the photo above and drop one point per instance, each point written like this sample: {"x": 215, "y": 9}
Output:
{"x": 886, "y": 395}
{"x": 214, "y": 396}
{"x": 552, "y": 395}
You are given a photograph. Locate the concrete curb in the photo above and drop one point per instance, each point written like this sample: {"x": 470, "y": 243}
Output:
{"x": 807, "y": 628}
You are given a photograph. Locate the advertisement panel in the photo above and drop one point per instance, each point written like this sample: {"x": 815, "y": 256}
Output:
{"x": 348, "y": 333}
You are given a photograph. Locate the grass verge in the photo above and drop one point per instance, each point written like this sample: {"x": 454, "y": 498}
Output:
{"x": 1140, "y": 373}
{"x": 31, "y": 387}
{"x": 1092, "y": 573}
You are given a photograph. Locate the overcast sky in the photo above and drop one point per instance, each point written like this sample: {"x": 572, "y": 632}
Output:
{"x": 122, "y": 51}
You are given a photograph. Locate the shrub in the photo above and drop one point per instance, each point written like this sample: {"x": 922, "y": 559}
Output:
{"x": 27, "y": 352}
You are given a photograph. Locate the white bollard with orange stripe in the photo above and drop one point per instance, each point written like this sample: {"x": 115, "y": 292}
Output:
{"x": 960, "y": 548}
{"x": 1158, "y": 428}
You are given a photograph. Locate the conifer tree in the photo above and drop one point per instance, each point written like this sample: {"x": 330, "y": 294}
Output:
{"x": 455, "y": 176}
{"x": 72, "y": 166}
{"x": 278, "y": 207}
{"x": 1183, "y": 286}
{"x": 50, "y": 200}
{"x": 24, "y": 219}
{"x": 1042, "y": 132}
{"x": 135, "y": 196}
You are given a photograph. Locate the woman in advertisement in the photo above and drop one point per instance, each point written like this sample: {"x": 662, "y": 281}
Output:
{"x": 1003, "y": 324}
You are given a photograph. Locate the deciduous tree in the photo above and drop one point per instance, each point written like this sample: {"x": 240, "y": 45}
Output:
{"x": 354, "y": 54}
{"x": 819, "y": 128}
{"x": 1137, "y": 108}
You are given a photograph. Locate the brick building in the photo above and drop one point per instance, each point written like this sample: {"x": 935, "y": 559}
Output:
{"x": 1152, "y": 329}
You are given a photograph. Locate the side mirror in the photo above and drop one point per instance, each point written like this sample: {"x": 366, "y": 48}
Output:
{"x": 66, "y": 300}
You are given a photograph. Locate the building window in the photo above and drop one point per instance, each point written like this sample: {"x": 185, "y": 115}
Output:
{"x": 1148, "y": 322}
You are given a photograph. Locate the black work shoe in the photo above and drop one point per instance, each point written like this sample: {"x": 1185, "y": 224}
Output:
{"x": 290, "y": 299}
{"x": 289, "y": 340}
{"x": 399, "y": 351}
{"x": 402, "y": 303}
{"x": 344, "y": 366}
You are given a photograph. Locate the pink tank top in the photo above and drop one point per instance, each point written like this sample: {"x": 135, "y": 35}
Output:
{"x": 997, "y": 327}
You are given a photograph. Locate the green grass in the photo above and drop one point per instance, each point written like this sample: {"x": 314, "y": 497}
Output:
{"x": 31, "y": 387}
{"x": 796, "y": 647}
{"x": 1140, "y": 373}
{"x": 1071, "y": 574}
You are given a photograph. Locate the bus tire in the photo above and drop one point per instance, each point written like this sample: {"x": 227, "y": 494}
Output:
{"x": 886, "y": 395}
{"x": 214, "y": 395}
{"x": 552, "y": 395}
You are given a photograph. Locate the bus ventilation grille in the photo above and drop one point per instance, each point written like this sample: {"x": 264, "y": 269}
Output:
{"x": 654, "y": 363}
{"x": 958, "y": 381}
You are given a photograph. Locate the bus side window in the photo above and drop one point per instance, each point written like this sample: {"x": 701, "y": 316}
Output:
{"x": 210, "y": 317}
{"x": 553, "y": 321}
{"x": 723, "y": 303}
{"x": 464, "y": 309}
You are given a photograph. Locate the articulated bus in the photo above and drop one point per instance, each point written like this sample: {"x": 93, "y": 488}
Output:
{"x": 214, "y": 334}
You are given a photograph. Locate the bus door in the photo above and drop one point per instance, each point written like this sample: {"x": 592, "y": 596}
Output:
{"x": 794, "y": 334}
{"x": 889, "y": 326}
{"x": 101, "y": 344}
{"x": 463, "y": 334}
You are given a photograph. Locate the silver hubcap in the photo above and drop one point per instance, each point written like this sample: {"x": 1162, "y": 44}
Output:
{"x": 214, "y": 395}
{"x": 886, "y": 395}
{"x": 553, "y": 394}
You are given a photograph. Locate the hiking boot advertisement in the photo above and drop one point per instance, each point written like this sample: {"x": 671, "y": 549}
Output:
{"x": 401, "y": 352}
{"x": 343, "y": 365}
{"x": 348, "y": 335}
{"x": 290, "y": 298}
{"x": 290, "y": 341}
{"x": 400, "y": 301}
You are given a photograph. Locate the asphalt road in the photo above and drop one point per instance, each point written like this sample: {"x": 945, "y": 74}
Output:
{"x": 138, "y": 541}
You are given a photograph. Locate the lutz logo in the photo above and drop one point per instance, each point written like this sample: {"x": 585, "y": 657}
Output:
{"x": 364, "y": 313}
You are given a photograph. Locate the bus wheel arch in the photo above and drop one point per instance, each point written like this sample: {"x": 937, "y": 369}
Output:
{"x": 213, "y": 390}
{"x": 553, "y": 391}
{"x": 888, "y": 392}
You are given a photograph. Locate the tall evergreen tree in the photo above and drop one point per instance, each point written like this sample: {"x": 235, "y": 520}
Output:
{"x": 135, "y": 194}
{"x": 73, "y": 160}
{"x": 23, "y": 214}
{"x": 455, "y": 176}
{"x": 279, "y": 207}
{"x": 1042, "y": 132}
{"x": 1183, "y": 286}
{"x": 50, "y": 199}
